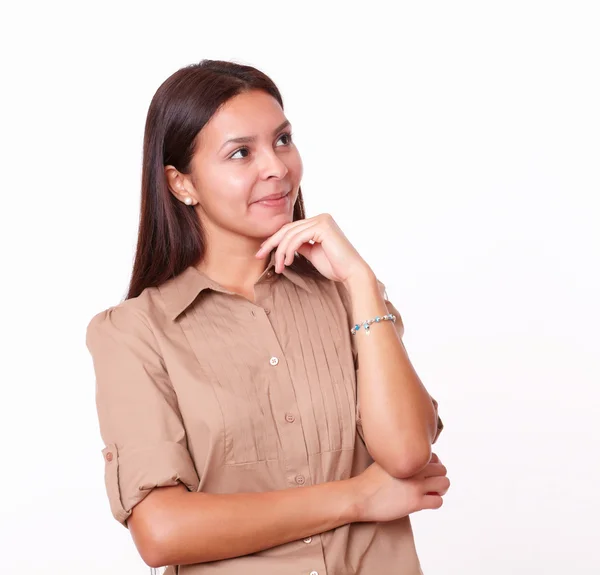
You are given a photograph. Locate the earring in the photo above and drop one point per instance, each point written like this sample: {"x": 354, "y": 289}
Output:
{"x": 188, "y": 201}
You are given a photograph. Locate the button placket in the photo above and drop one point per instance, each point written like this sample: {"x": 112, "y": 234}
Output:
{"x": 283, "y": 396}
{"x": 262, "y": 299}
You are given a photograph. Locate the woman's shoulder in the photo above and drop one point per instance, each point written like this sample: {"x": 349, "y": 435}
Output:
{"x": 134, "y": 316}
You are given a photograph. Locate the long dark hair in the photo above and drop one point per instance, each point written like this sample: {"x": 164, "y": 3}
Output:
{"x": 170, "y": 236}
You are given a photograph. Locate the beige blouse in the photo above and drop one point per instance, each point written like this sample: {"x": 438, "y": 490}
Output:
{"x": 198, "y": 385}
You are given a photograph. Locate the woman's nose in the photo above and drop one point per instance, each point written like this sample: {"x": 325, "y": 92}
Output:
{"x": 272, "y": 166}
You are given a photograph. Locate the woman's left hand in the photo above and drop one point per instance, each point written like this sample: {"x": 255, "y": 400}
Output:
{"x": 331, "y": 253}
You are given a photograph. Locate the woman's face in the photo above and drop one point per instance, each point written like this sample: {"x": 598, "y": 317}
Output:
{"x": 244, "y": 154}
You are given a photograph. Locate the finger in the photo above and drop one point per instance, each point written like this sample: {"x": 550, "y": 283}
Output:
{"x": 439, "y": 485}
{"x": 303, "y": 237}
{"x": 433, "y": 470}
{"x": 275, "y": 239}
{"x": 292, "y": 240}
{"x": 305, "y": 250}
{"x": 431, "y": 501}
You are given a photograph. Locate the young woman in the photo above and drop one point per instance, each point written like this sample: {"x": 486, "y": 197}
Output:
{"x": 241, "y": 436}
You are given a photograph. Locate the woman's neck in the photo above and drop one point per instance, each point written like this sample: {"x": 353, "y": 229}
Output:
{"x": 233, "y": 265}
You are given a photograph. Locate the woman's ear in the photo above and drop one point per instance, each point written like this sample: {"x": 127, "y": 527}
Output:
{"x": 178, "y": 185}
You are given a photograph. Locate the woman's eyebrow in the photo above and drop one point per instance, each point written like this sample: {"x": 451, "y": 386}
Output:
{"x": 247, "y": 139}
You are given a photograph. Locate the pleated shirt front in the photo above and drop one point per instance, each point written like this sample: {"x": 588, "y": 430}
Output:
{"x": 198, "y": 385}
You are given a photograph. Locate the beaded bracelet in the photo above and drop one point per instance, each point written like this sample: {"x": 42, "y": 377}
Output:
{"x": 367, "y": 323}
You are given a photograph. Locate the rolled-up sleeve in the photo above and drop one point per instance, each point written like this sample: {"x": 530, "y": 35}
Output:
{"x": 139, "y": 418}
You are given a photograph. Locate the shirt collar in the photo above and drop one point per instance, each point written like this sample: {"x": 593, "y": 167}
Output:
{"x": 179, "y": 292}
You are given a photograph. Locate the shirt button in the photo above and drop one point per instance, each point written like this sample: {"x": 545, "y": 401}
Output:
{"x": 300, "y": 479}
{"x": 313, "y": 573}
{"x": 109, "y": 456}
{"x": 273, "y": 361}
{"x": 269, "y": 274}
{"x": 289, "y": 417}
{"x": 307, "y": 540}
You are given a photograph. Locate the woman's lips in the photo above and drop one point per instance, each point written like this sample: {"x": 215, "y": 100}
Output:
{"x": 275, "y": 202}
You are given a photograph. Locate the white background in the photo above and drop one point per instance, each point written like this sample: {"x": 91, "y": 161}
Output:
{"x": 457, "y": 145}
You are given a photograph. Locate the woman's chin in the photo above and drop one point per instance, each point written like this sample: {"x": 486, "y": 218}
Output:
{"x": 269, "y": 226}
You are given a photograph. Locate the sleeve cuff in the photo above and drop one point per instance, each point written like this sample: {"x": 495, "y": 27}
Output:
{"x": 132, "y": 472}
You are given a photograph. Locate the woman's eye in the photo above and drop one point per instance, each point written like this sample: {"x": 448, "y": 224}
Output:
{"x": 238, "y": 152}
{"x": 288, "y": 136}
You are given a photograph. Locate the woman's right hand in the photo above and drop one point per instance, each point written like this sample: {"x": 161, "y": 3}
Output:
{"x": 382, "y": 497}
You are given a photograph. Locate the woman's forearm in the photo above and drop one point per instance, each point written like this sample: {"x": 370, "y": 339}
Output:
{"x": 398, "y": 418}
{"x": 174, "y": 526}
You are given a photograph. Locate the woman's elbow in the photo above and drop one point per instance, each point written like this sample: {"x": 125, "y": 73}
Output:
{"x": 152, "y": 559}
{"x": 147, "y": 539}
{"x": 404, "y": 463}
{"x": 152, "y": 525}
{"x": 410, "y": 467}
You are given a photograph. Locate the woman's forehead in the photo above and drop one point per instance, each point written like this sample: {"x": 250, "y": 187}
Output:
{"x": 247, "y": 115}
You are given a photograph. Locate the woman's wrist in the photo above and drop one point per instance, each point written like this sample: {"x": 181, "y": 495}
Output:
{"x": 350, "y": 500}
{"x": 363, "y": 277}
